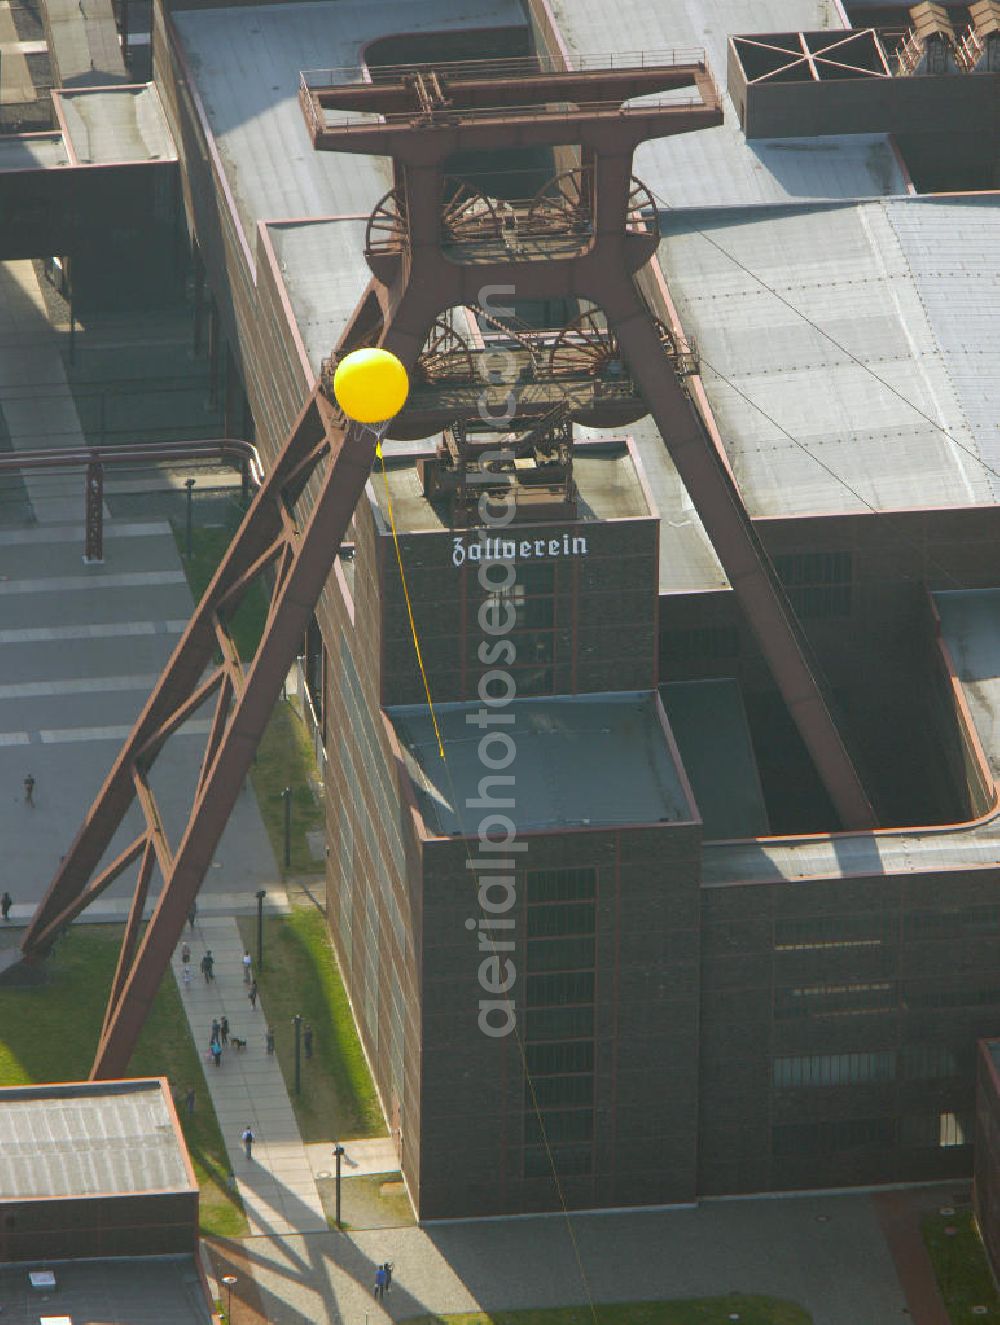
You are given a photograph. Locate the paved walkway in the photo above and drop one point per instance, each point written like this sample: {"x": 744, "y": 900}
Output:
{"x": 826, "y": 1253}
{"x": 277, "y": 1186}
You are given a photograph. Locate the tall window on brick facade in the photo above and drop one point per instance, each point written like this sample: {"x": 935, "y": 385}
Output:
{"x": 818, "y": 584}
{"x": 559, "y": 1022}
{"x": 533, "y": 597}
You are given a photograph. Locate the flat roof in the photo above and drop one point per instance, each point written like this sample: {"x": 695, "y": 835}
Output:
{"x": 583, "y": 761}
{"x": 110, "y": 125}
{"x": 873, "y": 416}
{"x": 247, "y": 61}
{"x": 89, "y": 1138}
{"x": 129, "y": 1290}
{"x": 709, "y": 724}
{"x": 688, "y": 561}
{"x": 718, "y": 167}
{"x": 970, "y": 627}
{"x": 35, "y": 151}
{"x": 607, "y": 484}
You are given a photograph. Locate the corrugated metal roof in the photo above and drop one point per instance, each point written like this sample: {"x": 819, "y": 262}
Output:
{"x": 902, "y": 441}
{"x": 717, "y": 166}
{"x": 582, "y": 761}
{"x": 952, "y": 247}
{"x": 325, "y": 273}
{"x": 117, "y": 124}
{"x": 247, "y": 61}
{"x": 84, "y": 1140}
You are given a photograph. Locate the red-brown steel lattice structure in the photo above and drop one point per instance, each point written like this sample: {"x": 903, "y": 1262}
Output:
{"x": 428, "y": 254}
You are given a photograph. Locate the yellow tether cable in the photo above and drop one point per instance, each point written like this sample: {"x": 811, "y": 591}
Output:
{"x": 409, "y": 605}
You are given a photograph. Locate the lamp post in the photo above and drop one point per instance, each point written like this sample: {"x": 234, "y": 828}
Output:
{"x": 230, "y": 1281}
{"x": 261, "y": 894}
{"x": 189, "y": 484}
{"x": 297, "y": 1023}
{"x": 286, "y": 796}
{"x": 338, "y": 1151}
{"x": 951, "y": 1232}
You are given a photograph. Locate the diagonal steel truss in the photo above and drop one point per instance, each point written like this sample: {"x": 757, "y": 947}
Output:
{"x": 416, "y": 280}
{"x": 298, "y": 554}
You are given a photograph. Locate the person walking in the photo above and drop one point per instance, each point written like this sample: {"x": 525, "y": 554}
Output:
{"x": 29, "y": 790}
{"x": 185, "y": 952}
{"x": 6, "y": 902}
{"x": 252, "y": 995}
{"x": 186, "y": 977}
{"x": 189, "y": 1102}
{"x": 217, "y": 1053}
{"x": 247, "y": 968}
{"x": 269, "y": 1041}
{"x": 216, "y": 1031}
{"x": 379, "y": 1283}
{"x": 193, "y": 914}
{"x": 246, "y": 1136}
{"x": 388, "y": 1275}
{"x": 224, "y": 1030}
{"x": 208, "y": 966}
{"x": 307, "y": 1040}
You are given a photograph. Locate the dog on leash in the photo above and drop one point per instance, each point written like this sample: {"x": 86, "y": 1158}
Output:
{"x": 237, "y": 1043}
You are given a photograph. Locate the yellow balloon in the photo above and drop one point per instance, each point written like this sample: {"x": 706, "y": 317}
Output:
{"x": 370, "y": 385}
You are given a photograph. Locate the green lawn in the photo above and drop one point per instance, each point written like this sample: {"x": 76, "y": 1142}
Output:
{"x": 338, "y": 1100}
{"x": 285, "y": 759}
{"x": 960, "y": 1265}
{"x": 285, "y": 755}
{"x": 48, "y": 1032}
{"x": 704, "y": 1311}
{"x": 208, "y": 546}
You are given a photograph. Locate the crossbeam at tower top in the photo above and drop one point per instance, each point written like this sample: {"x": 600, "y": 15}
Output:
{"x": 656, "y": 92}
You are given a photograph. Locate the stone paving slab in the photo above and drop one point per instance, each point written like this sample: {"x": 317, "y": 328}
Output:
{"x": 371, "y": 1155}
{"x": 276, "y": 1186}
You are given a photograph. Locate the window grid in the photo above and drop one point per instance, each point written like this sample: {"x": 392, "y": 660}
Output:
{"x": 831, "y": 1000}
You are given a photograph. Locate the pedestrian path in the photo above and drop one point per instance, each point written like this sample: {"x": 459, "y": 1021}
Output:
{"x": 277, "y": 1186}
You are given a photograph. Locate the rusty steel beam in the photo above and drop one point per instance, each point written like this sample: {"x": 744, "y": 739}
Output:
{"x": 411, "y": 289}
{"x": 603, "y": 271}
{"x": 338, "y": 460}
{"x": 464, "y": 90}
{"x": 748, "y": 567}
{"x": 493, "y": 130}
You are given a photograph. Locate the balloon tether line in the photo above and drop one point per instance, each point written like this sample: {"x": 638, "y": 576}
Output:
{"x": 378, "y": 432}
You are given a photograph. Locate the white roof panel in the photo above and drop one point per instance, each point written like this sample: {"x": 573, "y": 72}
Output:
{"x": 827, "y": 381}
{"x": 718, "y": 167}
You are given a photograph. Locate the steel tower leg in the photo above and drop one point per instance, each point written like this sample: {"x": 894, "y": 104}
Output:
{"x": 744, "y": 557}
{"x": 300, "y": 554}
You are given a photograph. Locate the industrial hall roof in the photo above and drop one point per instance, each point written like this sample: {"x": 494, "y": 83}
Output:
{"x": 840, "y": 329}
{"x": 843, "y": 348}
{"x": 89, "y": 1139}
{"x": 129, "y": 1290}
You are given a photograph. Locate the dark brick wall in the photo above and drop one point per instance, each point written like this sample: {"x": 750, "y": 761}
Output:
{"x": 928, "y": 948}
{"x": 100, "y": 1226}
{"x": 604, "y": 622}
{"x": 646, "y": 1031}
{"x": 986, "y": 1191}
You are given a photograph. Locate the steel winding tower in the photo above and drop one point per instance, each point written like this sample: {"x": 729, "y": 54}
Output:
{"x": 434, "y": 244}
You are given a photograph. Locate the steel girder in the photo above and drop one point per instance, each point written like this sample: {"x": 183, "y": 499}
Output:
{"x": 413, "y": 288}
{"x": 299, "y": 553}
